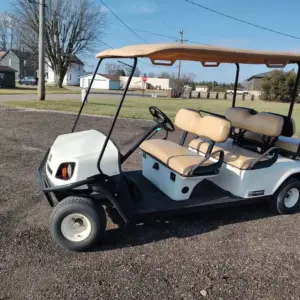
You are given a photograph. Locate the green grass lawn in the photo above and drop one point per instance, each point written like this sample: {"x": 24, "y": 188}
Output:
{"x": 135, "y": 107}
{"x": 22, "y": 90}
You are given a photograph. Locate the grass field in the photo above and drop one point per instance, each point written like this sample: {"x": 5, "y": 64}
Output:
{"x": 135, "y": 107}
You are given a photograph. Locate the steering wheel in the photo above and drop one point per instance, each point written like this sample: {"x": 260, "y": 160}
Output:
{"x": 161, "y": 118}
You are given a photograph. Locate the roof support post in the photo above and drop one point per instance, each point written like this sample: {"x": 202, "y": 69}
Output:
{"x": 295, "y": 90}
{"x": 236, "y": 82}
{"x": 86, "y": 95}
{"x": 117, "y": 113}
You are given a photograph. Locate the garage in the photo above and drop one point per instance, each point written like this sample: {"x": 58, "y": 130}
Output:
{"x": 7, "y": 77}
{"x": 101, "y": 81}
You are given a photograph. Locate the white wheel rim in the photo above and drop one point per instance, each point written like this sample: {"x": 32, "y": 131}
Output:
{"x": 291, "y": 198}
{"x": 76, "y": 227}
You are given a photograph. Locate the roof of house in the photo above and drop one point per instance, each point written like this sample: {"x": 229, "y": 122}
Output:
{"x": 260, "y": 75}
{"x": 110, "y": 77}
{"x": 2, "y": 53}
{"x": 75, "y": 60}
{"x": 21, "y": 54}
{"x": 173, "y": 52}
{"x": 6, "y": 69}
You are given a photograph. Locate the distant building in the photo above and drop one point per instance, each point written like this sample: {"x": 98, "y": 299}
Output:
{"x": 254, "y": 82}
{"x": 152, "y": 83}
{"x": 25, "y": 63}
{"x": 7, "y": 77}
{"x": 201, "y": 88}
{"x": 72, "y": 77}
{"x": 115, "y": 82}
{"x": 101, "y": 81}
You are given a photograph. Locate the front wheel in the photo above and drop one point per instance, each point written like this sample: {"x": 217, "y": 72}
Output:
{"x": 77, "y": 224}
{"x": 287, "y": 198}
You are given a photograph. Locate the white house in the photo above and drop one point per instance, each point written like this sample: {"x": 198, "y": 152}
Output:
{"x": 201, "y": 88}
{"x": 74, "y": 72}
{"x": 152, "y": 83}
{"x": 101, "y": 81}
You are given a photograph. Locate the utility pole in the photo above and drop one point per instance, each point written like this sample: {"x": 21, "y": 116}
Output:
{"x": 181, "y": 42}
{"x": 41, "y": 75}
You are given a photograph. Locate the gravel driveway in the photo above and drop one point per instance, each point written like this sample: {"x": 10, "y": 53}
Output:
{"x": 241, "y": 253}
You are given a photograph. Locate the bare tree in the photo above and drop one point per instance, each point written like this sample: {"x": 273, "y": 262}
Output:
{"x": 6, "y": 32}
{"x": 165, "y": 75}
{"x": 137, "y": 71}
{"x": 72, "y": 27}
{"x": 151, "y": 75}
{"x": 114, "y": 69}
{"x": 178, "y": 85}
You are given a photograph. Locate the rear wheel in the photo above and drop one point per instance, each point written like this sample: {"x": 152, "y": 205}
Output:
{"x": 77, "y": 224}
{"x": 287, "y": 198}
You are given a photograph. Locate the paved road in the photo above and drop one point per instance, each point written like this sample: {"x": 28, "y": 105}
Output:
{"x": 244, "y": 253}
{"x": 94, "y": 95}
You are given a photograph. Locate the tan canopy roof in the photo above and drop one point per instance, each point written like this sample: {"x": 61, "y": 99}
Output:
{"x": 173, "y": 52}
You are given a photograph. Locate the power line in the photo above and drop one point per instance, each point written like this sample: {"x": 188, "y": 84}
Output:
{"x": 124, "y": 23}
{"x": 162, "y": 35}
{"x": 242, "y": 21}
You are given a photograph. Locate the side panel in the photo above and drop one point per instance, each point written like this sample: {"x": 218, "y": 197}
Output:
{"x": 176, "y": 187}
{"x": 256, "y": 183}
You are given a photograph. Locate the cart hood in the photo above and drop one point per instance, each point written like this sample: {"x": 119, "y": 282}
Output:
{"x": 83, "y": 148}
{"x": 80, "y": 143}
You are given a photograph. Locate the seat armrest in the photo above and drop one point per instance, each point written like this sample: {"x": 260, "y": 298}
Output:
{"x": 213, "y": 154}
{"x": 257, "y": 163}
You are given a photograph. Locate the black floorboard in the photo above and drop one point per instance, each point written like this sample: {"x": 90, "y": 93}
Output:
{"x": 153, "y": 200}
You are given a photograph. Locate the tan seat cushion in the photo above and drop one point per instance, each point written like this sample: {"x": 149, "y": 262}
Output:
{"x": 262, "y": 122}
{"x": 233, "y": 155}
{"x": 214, "y": 128}
{"x": 176, "y": 157}
{"x": 290, "y": 144}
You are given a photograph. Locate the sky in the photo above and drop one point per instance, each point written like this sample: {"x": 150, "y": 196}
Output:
{"x": 168, "y": 17}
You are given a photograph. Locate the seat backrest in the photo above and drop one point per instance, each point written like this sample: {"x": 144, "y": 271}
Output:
{"x": 289, "y": 126}
{"x": 213, "y": 128}
{"x": 263, "y": 123}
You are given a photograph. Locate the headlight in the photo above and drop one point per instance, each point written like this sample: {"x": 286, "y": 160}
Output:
{"x": 65, "y": 171}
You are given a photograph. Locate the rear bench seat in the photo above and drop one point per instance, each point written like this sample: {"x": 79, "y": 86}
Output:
{"x": 286, "y": 142}
{"x": 262, "y": 123}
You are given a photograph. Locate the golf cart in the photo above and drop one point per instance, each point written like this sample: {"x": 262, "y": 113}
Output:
{"x": 241, "y": 156}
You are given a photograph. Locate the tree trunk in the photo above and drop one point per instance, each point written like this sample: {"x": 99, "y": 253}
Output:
{"x": 59, "y": 78}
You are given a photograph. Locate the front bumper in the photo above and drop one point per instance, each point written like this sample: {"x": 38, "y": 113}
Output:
{"x": 44, "y": 183}
{"x": 48, "y": 189}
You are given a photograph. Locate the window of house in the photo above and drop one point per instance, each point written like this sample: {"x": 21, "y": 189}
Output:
{"x": 70, "y": 76}
{"x": 24, "y": 62}
{"x": 9, "y": 61}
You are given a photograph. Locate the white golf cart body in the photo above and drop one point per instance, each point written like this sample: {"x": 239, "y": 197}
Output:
{"x": 81, "y": 148}
{"x": 175, "y": 177}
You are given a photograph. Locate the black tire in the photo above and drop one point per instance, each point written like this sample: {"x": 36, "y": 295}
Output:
{"x": 289, "y": 188}
{"x": 95, "y": 215}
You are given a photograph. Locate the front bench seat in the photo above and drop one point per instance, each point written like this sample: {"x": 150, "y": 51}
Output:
{"x": 182, "y": 160}
{"x": 177, "y": 158}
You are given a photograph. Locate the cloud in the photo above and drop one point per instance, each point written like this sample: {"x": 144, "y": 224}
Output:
{"x": 104, "y": 9}
{"x": 147, "y": 7}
